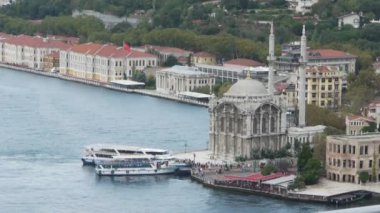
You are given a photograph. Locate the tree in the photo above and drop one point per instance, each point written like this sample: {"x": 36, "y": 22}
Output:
{"x": 319, "y": 152}
{"x": 268, "y": 169}
{"x": 363, "y": 176}
{"x": 139, "y": 76}
{"x": 151, "y": 82}
{"x": 303, "y": 157}
{"x": 312, "y": 171}
{"x": 170, "y": 61}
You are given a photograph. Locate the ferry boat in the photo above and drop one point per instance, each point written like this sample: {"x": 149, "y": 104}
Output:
{"x": 101, "y": 153}
{"x": 132, "y": 165}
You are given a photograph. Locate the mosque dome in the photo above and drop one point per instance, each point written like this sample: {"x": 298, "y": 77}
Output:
{"x": 247, "y": 88}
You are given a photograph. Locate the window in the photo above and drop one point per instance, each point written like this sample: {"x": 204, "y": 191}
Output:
{"x": 338, "y": 162}
{"x": 370, "y": 163}
{"x": 322, "y": 87}
{"x": 349, "y": 149}
{"x": 344, "y": 163}
{"x": 330, "y": 146}
{"x": 361, "y": 164}
{"x": 353, "y": 164}
{"x": 344, "y": 149}
{"x": 361, "y": 150}
{"x": 338, "y": 148}
{"x": 366, "y": 150}
{"x": 230, "y": 124}
{"x": 353, "y": 149}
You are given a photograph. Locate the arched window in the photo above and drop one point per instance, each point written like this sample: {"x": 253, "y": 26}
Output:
{"x": 273, "y": 124}
{"x": 255, "y": 126}
{"x": 264, "y": 124}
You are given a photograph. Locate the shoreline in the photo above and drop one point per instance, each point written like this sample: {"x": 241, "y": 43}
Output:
{"x": 151, "y": 93}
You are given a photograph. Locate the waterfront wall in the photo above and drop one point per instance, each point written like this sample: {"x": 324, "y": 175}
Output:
{"x": 151, "y": 93}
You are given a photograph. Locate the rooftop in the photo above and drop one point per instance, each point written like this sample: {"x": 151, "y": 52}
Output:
{"x": 204, "y": 54}
{"x": 328, "y": 53}
{"x": 128, "y": 83}
{"x": 357, "y": 138}
{"x": 243, "y": 62}
{"x": 194, "y": 94}
{"x": 184, "y": 70}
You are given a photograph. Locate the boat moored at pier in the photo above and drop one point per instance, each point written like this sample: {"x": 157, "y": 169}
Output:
{"x": 102, "y": 153}
{"x": 134, "y": 165}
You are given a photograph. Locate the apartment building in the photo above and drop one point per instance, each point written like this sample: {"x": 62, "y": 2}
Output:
{"x": 323, "y": 86}
{"x": 348, "y": 155}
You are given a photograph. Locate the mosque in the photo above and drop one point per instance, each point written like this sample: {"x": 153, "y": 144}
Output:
{"x": 250, "y": 116}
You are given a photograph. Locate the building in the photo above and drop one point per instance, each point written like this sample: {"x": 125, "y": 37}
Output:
{"x": 372, "y": 111}
{"x": 352, "y": 19}
{"x": 103, "y": 62}
{"x": 324, "y": 86}
{"x": 179, "y": 79}
{"x": 203, "y": 58}
{"x": 348, "y": 155}
{"x": 223, "y": 73}
{"x": 303, "y": 135}
{"x": 246, "y": 118}
{"x": 51, "y": 62}
{"x": 328, "y": 57}
{"x": 355, "y": 124}
{"x": 301, "y": 6}
{"x": 6, "y": 2}
{"x": 164, "y": 52}
{"x": 28, "y": 51}
{"x": 242, "y": 63}
{"x": 289, "y": 59}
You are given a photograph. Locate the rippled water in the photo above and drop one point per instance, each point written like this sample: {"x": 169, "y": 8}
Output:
{"x": 45, "y": 122}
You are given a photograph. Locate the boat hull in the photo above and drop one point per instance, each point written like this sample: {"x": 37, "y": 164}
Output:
{"x": 134, "y": 172}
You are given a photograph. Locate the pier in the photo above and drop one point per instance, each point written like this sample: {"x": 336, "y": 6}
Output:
{"x": 152, "y": 93}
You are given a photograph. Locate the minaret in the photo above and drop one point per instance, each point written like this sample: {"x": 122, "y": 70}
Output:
{"x": 302, "y": 81}
{"x": 271, "y": 59}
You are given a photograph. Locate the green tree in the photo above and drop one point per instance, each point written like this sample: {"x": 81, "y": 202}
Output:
{"x": 303, "y": 157}
{"x": 312, "y": 171}
{"x": 139, "y": 76}
{"x": 268, "y": 169}
{"x": 170, "y": 61}
{"x": 363, "y": 176}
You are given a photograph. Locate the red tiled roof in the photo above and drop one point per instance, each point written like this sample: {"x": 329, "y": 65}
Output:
{"x": 204, "y": 54}
{"x": 36, "y": 42}
{"x": 244, "y": 62}
{"x": 358, "y": 117}
{"x": 281, "y": 86}
{"x": 108, "y": 50}
{"x": 328, "y": 53}
{"x": 374, "y": 103}
{"x": 138, "y": 54}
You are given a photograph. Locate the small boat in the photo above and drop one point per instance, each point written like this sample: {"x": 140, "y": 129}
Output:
{"x": 133, "y": 165}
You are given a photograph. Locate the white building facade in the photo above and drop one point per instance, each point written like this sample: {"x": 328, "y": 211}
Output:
{"x": 28, "y": 51}
{"x": 103, "y": 63}
{"x": 179, "y": 79}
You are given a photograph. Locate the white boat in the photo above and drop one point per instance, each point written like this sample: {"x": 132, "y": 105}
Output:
{"x": 101, "y": 153}
{"x": 132, "y": 165}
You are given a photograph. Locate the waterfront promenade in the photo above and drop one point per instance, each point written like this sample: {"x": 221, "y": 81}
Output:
{"x": 152, "y": 93}
{"x": 214, "y": 174}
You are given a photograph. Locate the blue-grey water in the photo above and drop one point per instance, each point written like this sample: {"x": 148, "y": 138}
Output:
{"x": 46, "y": 122}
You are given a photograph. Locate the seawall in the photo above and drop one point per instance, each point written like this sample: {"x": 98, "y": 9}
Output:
{"x": 151, "y": 93}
